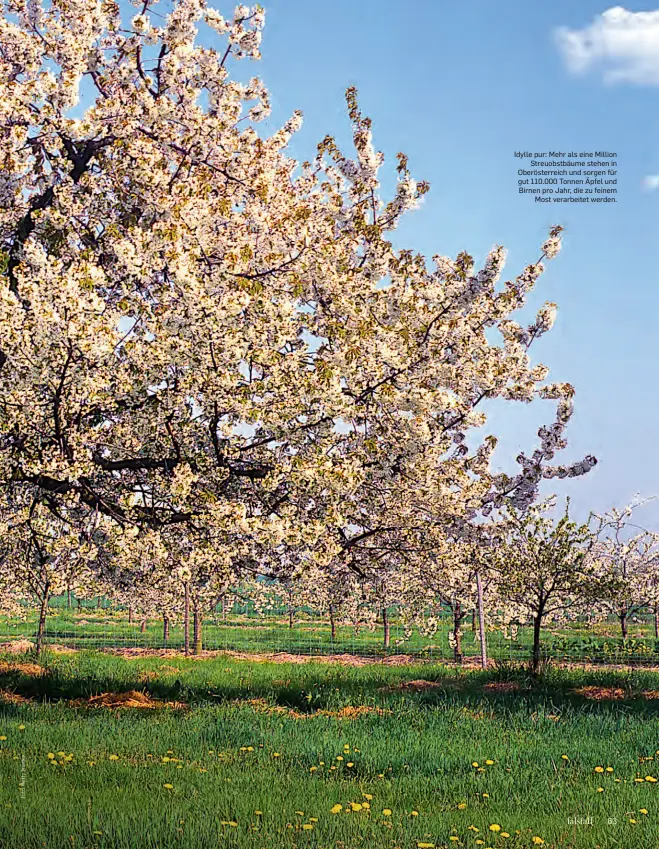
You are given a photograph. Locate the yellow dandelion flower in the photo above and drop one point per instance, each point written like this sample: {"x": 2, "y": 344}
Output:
{"x": 643, "y": 811}
{"x": 368, "y": 796}
{"x": 2, "y": 737}
{"x": 313, "y": 819}
{"x": 651, "y": 779}
{"x": 480, "y": 842}
{"x": 609, "y": 769}
{"x": 356, "y": 806}
{"x": 462, "y": 806}
{"x": 486, "y": 795}
{"x": 453, "y": 837}
{"x": 489, "y": 763}
{"x": 538, "y": 841}
{"x": 259, "y": 813}
{"x": 50, "y": 756}
{"x": 386, "y": 812}
{"x": 339, "y": 757}
{"x": 565, "y": 757}
{"x": 504, "y": 834}
{"x": 313, "y": 769}
{"x": 307, "y": 826}
{"x": 633, "y": 822}
{"x": 472, "y": 828}
{"x": 414, "y": 813}
{"x": 114, "y": 757}
{"x": 366, "y": 805}
{"x": 599, "y": 769}
{"x": 21, "y": 728}
{"x": 276, "y": 755}
{"x": 425, "y": 846}
{"x": 336, "y": 809}
{"x": 474, "y": 763}
{"x": 495, "y": 827}
{"x": 168, "y": 786}
{"x": 300, "y": 813}
{"x": 600, "y": 790}
{"x": 233, "y": 823}
{"x": 349, "y": 764}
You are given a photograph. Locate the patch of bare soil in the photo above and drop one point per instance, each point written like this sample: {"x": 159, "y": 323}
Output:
{"x": 130, "y": 699}
{"x": 32, "y": 669}
{"x": 17, "y": 646}
{"x": 501, "y": 687}
{"x": 57, "y": 649}
{"x": 350, "y": 712}
{"x": 7, "y": 697}
{"x": 419, "y": 686}
{"x": 650, "y": 694}
{"x": 601, "y": 694}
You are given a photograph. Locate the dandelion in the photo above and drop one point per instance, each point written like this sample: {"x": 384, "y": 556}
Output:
{"x": 313, "y": 769}
{"x": 168, "y": 786}
{"x": 414, "y": 813}
{"x": 643, "y": 811}
{"x": 313, "y": 819}
{"x": 599, "y": 769}
{"x": 356, "y": 806}
{"x": 349, "y": 764}
{"x": 489, "y": 763}
{"x": 538, "y": 841}
{"x": 462, "y": 806}
{"x": 307, "y": 826}
{"x": 300, "y": 813}
{"x": 386, "y": 812}
{"x": 474, "y": 763}
{"x": 486, "y": 795}
{"x": 276, "y": 755}
{"x": 600, "y": 790}
{"x": 425, "y": 846}
{"x": 21, "y": 728}
{"x": 495, "y": 827}
{"x": 336, "y": 809}
{"x": 368, "y": 796}
{"x": 339, "y": 757}
{"x": 453, "y": 837}
{"x": 504, "y": 834}
{"x": 633, "y": 822}
{"x": 609, "y": 769}
{"x": 651, "y": 779}
{"x": 114, "y": 757}
{"x": 259, "y": 813}
{"x": 2, "y": 737}
{"x": 565, "y": 757}
{"x": 50, "y": 756}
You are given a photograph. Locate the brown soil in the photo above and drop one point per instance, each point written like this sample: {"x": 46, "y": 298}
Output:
{"x": 12, "y": 698}
{"x": 502, "y": 687}
{"x": 17, "y": 647}
{"x": 418, "y": 685}
{"x": 349, "y": 712}
{"x": 130, "y": 699}
{"x": 600, "y": 694}
{"x": 25, "y": 668}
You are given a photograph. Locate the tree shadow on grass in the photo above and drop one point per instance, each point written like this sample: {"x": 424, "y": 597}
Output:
{"x": 317, "y": 688}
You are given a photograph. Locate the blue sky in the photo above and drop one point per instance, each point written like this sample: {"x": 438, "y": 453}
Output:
{"x": 459, "y": 87}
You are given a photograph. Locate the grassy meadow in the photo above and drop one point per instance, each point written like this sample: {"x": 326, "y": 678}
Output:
{"x": 232, "y": 752}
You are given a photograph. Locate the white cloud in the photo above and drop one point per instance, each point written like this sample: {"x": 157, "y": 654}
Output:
{"x": 651, "y": 183}
{"x": 625, "y": 45}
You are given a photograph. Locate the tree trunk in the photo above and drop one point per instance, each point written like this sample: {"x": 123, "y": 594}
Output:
{"x": 332, "y": 623}
{"x": 196, "y": 623}
{"x": 165, "y": 631}
{"x": 481, "y": 621}
{"x": 473, "y": 620}
{"x": 130, "y": 615}
{"x": 291, "y": 611}
{"x": 535, "y": 656}
{"x": 143, "y": 626}
{"x": 656, "y": 621}
{"x": 68, "y": 598}
{"x": 186, "y": 619}
{"x": 387, "y": 627}
{"x": 41, "y": 627}
{"x": 622, "y": 616}
{"x": 98, "y": 602}
{"x": 457, "y": 632}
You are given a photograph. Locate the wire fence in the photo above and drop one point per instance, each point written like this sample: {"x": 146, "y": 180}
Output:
{"x": 99, "y": 624}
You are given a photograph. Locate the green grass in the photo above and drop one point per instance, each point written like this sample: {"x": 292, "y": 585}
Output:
{"x": 416, "y": 755}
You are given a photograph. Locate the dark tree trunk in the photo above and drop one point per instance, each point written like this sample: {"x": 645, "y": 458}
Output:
{"x": 622, "y": 616}
{"x": 481, "y": 621}
{"x": 473, "y": 620}
{"x": 535, "y": 656}
{"x": 143, "y": 626}
{"x": 457, "y": 632}
{"x": 98, "y": 602}
{"x": 332, "y": 623}
{"x": 165, "y": 631}
{"x": 196, "y": 623}
{"x": 41, "y": 627}
{"x": 130, "y": 615}
{"x": 291, "y": 610}
{"x": 186, "y": 619}
{"x": 68, "y": 598}
{"x": 656, "y": 621}
{"x": 387, "y": 627}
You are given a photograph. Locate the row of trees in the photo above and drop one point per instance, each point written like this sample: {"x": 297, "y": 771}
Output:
{"x": 215, "y": 365}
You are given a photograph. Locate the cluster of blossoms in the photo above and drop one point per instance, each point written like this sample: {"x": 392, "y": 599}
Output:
{"x": 212, "y": 358}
